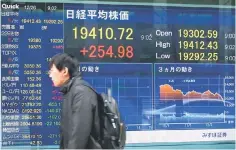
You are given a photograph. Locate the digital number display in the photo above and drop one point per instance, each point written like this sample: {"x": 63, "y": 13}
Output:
{"x": 107, "y": 33}
{"x": 169, "y": 67}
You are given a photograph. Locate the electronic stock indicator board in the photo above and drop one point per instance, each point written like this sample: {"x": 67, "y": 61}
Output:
{"x": 169, "y": 68}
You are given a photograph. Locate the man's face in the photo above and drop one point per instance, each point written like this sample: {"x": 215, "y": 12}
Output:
{"x": 58, "y": 77}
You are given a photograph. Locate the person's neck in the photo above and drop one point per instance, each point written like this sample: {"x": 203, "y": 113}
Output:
{"x": 67, "y": 79}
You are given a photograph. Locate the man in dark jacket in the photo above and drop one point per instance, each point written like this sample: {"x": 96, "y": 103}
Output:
{"x": 80, "y": 127}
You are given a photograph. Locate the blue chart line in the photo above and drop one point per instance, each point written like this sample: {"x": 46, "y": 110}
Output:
{"x": 131, "y": 86}
{"x": 194, "y": 96}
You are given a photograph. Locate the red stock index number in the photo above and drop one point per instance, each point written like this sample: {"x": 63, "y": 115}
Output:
{"x": 101, "y": 51}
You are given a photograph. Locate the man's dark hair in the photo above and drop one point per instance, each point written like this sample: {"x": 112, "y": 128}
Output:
{"x": 63, "y": 60}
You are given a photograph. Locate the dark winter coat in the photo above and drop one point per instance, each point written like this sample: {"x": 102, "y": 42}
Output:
{"x": 80, "y": 126}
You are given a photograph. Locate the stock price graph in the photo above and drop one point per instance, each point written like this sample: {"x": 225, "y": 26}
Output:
{"x": 194, "y": 96}
{"x": 132, "y": 89}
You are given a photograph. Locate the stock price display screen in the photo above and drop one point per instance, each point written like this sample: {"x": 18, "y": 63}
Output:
{"x": 169, "y": 67}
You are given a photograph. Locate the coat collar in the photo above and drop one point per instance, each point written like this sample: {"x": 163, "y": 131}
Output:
{"x": 67, "y": 85}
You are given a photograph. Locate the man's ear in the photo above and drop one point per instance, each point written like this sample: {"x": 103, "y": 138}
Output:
{"x": 65, "y": 71}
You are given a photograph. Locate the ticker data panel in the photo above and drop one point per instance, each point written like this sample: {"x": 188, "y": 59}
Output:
{"x": 168, "y": 67}
{"x": 30, "y": 104}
